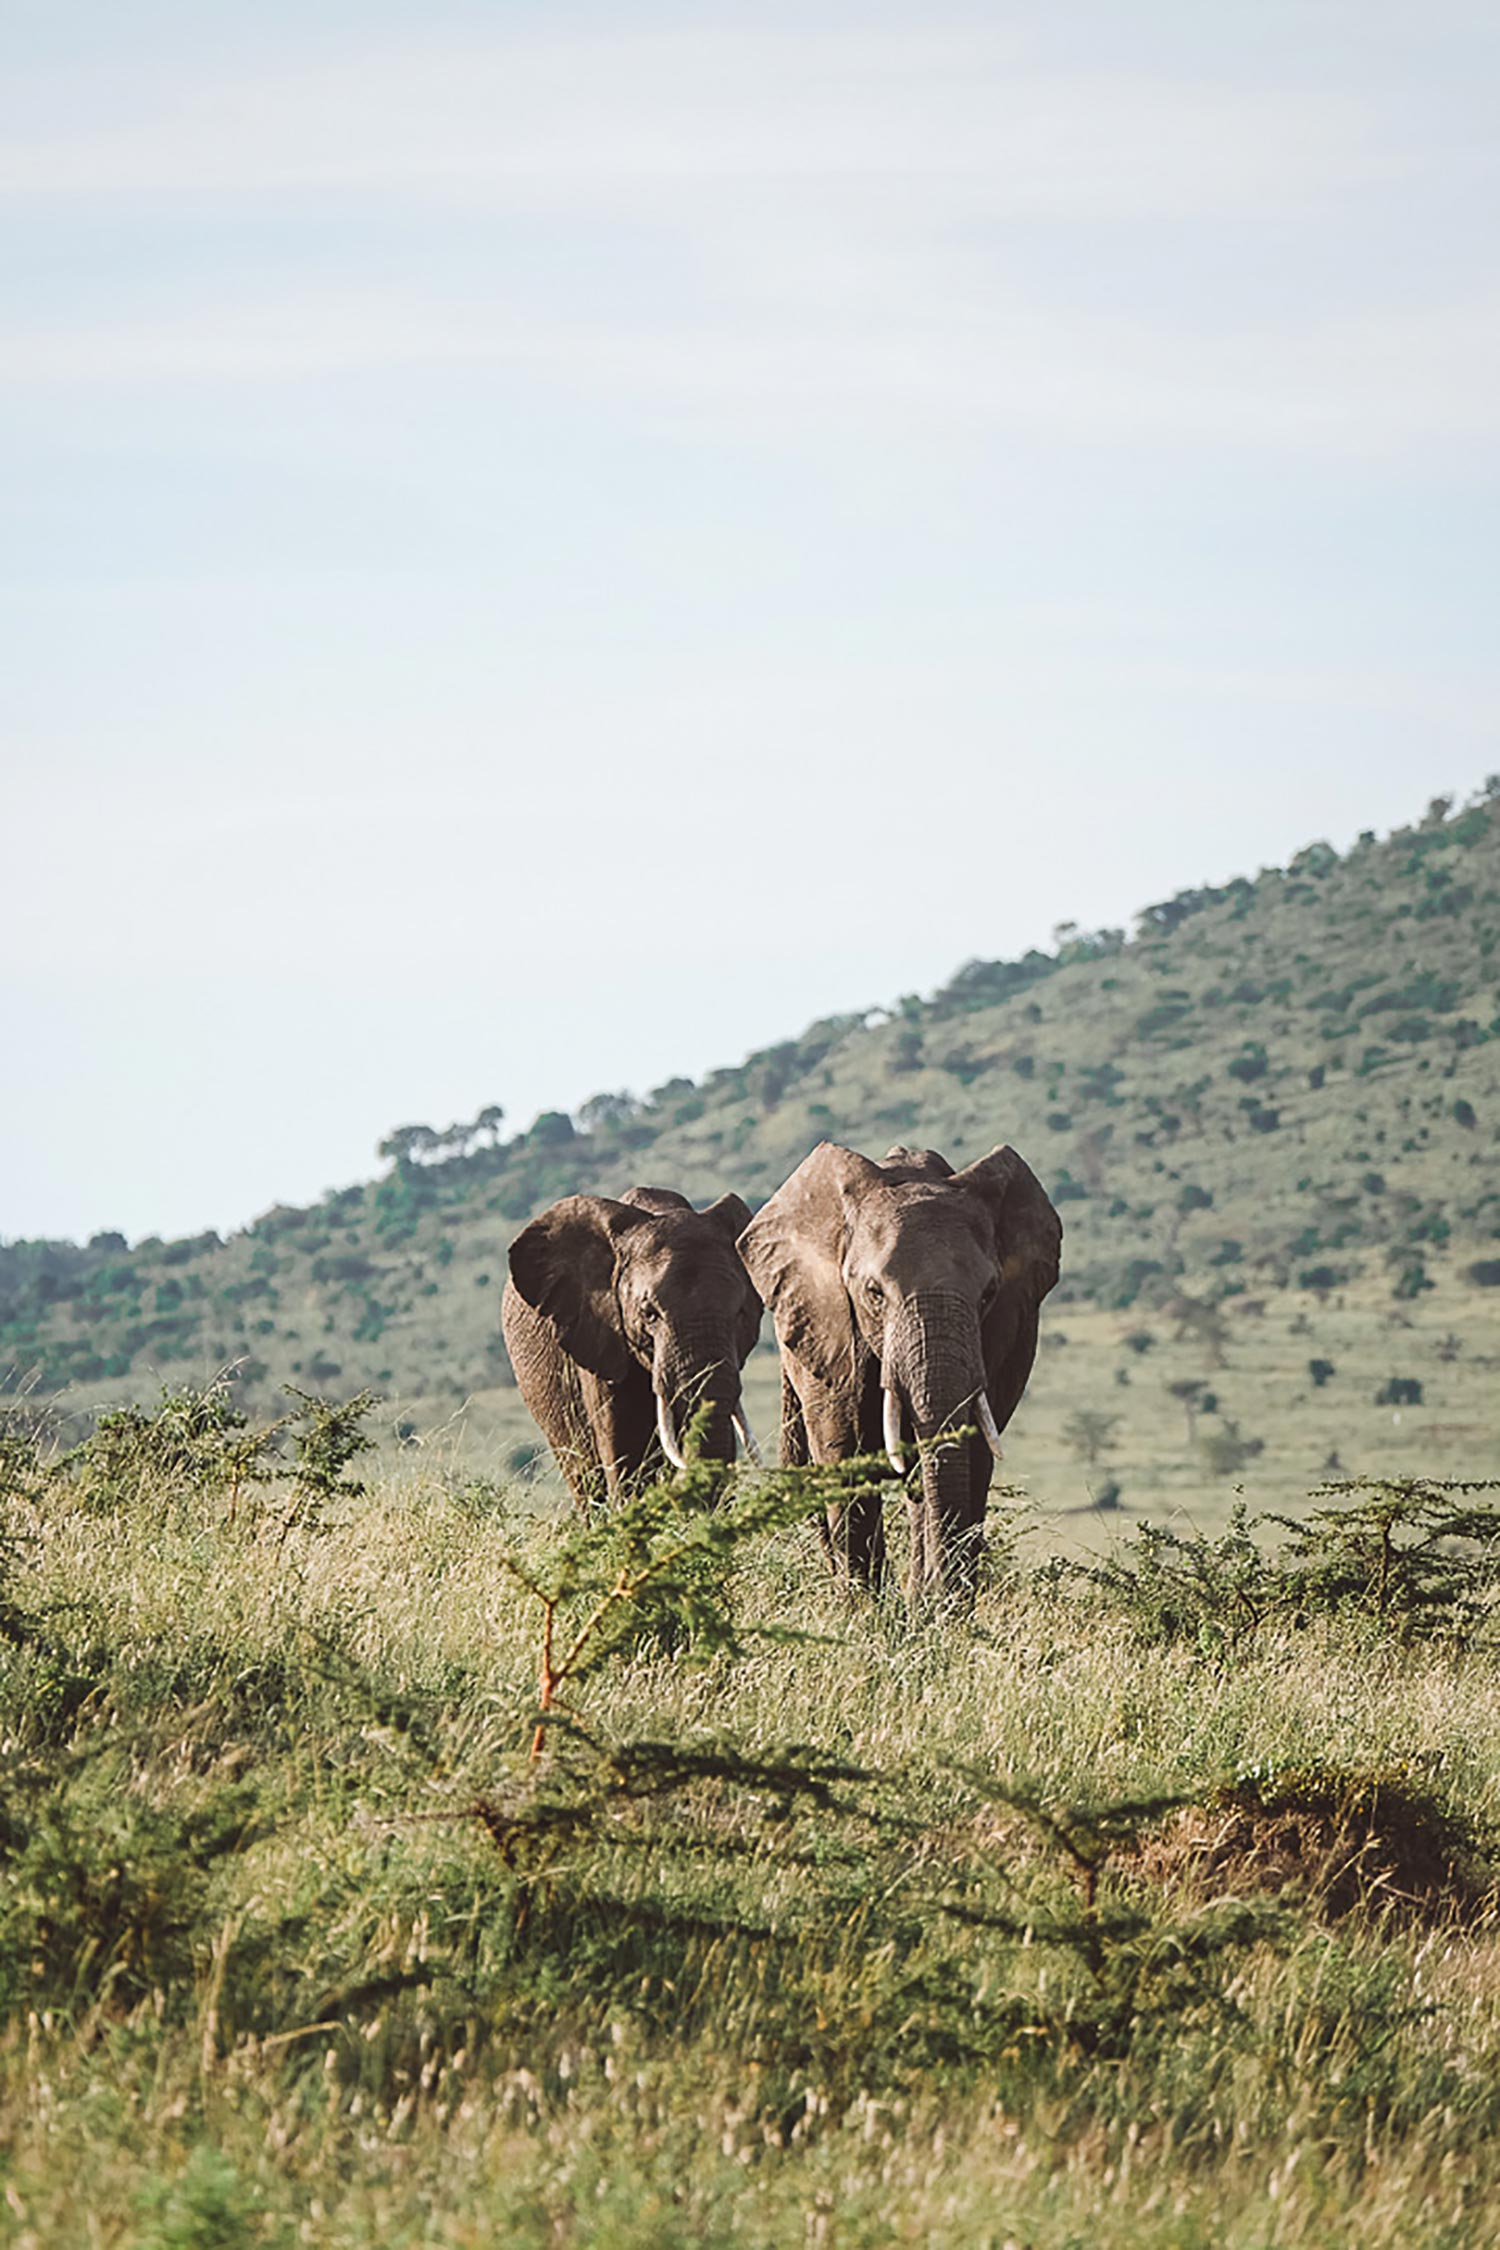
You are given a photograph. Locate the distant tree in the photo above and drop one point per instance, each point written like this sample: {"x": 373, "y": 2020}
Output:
{"x": 605, "y": 1113}
{"x": 1090, "y": 1433}
{"x": 1188, "y": 1392}
{"x": 1204, "y": 1324}
{"x": 1226, "y": 1450}
{"x": 1320, "y": 1370}
{"x": 1412, "y": 1278}
{"x": 1250, "y": 1063}
{"x": 408, "y": 1144}
{"x": 1399, "y": 1390}
{"x": 553, "y": 1129}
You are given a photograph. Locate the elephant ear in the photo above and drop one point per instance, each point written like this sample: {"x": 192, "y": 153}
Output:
{"x": 1028, "y": 1232}
{"x": 794, "y": 1252}
{"x": 731, "y": 1215}
{"x": 564, "y": 1265}
{"x": 1028, "y": 1243}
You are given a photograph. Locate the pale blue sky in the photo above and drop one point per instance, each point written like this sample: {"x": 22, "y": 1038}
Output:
{"x": 549, "y": 546}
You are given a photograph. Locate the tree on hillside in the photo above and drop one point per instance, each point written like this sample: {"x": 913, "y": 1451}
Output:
{"x": 1091, "y": 1434}
{"x": 1188, "y": 1393}
{"x": 1202, "y": 1323}
{"x": 408, "y": 1144}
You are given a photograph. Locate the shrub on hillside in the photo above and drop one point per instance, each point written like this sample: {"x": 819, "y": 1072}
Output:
{"x": 1250, "y": 1063}
{"x": 1399, "y": 1390}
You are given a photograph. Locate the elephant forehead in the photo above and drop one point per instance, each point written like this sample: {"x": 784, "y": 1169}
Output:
{"x": 920, "y": 1224}
{"x": 684, "y": 1251}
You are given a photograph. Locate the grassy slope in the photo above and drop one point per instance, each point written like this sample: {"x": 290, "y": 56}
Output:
{"x": 1297, "y": 1078}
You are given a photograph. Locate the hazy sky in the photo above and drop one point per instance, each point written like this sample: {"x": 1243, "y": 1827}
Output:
{"x": 547, "y": 546}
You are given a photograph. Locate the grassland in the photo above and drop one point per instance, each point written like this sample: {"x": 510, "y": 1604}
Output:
{"x": 1069, "y": 1924}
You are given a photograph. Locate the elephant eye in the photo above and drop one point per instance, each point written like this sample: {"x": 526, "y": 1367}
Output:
{"x": 874, "y": 1291}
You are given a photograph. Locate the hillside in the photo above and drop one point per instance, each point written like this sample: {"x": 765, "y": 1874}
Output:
{"x": 1271, "y": 1118}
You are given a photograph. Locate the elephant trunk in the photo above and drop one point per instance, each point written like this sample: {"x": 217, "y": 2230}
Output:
{"x": 932, "y": 1373}
{"x": 692, "y": 1371}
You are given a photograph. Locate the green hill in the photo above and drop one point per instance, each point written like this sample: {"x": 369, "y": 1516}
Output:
{"x": 1271, "y": 1118}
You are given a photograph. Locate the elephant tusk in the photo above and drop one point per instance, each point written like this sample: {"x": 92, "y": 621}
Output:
{"x": 893, "y": 1433}
{"x": 988, "y": 1425}
{"x": 746, "y": 1436}
{"x": 667, "y": 1434}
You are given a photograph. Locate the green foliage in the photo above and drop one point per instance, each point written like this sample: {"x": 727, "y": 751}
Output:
{"x": 196, "y": 1445}
{"x": 1090, "y": 1433}
{"x": 1421, "y": 1554}
{"x": 198, "y": 1448}
{"x": 1172, "y": 1586}
{"x": 1226, "y": 1450}
{"x": 1250, "y": 1063}
{"x": 104, "y": 1891}
{"x": 658, "y": 1569}
{"x": 1399, "y": 1390}
{"x": 327, "y": 1436}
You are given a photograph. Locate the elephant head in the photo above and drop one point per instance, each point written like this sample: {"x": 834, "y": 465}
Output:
{"x": 928, "y": 1280}
{"x": 649, "y": 1283}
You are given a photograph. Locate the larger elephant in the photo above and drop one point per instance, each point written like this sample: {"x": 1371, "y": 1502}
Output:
{"x": 622, "y": 1319}
{"x": 905, "y": 1297}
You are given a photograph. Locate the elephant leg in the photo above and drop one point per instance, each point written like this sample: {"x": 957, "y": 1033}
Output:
{"x": 794, "y": 1453}
{"x": 549, "y": 1383}
{"x": 569, "y": 1433}
{"x": 971, "y": 1528}
{"x": 946, "y": 1518}
{"x": 831, "y": 1426}
{"x": 622, "y": 1427}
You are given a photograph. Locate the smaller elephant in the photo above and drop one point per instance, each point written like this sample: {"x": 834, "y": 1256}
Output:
{"x": 622, "y": 1319}
{"x": 905, "y": 1297}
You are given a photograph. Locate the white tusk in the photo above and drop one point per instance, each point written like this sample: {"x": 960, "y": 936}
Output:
{"x": 893, "y": 1433}
{"x": 667, "y": 1434}
{"x": 746, "y": 1436}
{"x": 987, "y": 1423}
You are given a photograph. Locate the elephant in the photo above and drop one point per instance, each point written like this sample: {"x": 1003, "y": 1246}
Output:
{"x": 905, "y": 1297}
{"x": 623, "y": 1317}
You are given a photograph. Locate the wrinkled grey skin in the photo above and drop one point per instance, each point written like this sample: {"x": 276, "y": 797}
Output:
{"x": 907, "y": 1277}
{"x": 609, "y": 1303}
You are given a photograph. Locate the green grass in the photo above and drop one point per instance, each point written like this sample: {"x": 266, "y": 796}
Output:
{"x": 853, "y": 1934}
